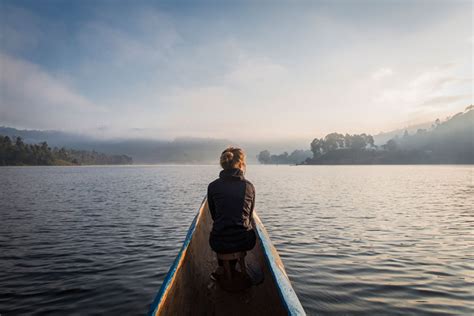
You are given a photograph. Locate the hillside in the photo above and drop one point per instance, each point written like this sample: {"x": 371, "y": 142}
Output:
{"x": 382, "y": 138}
{"x": 14, "y": 152}
{"x": 184, "y": 150}
{"x": 448, "y": 142}
{"x": 451, "y": 141}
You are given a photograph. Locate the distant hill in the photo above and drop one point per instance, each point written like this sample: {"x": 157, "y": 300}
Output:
{"x": 382, "y": 138}
{"x": 180, "y": 151}
{"x": 54, "y": 138}
{"x": 451, "y": 141}
{"x": 14, "y": 152}
{"x": 437, "y": 142}
{"x": 184, "y": 150}
{"x": 448, "y": 142}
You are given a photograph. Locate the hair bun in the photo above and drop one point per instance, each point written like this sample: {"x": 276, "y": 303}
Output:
{"x": 232, "y": 157}
{"x": 227, "y": 156}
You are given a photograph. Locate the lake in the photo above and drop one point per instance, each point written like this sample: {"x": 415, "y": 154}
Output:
{"x": 355, "y": 240}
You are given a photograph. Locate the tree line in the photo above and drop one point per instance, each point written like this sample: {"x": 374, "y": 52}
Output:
{"x": 336, "y": 141}
{"x": 15, "y": 152}
{"x": 320, "y": 147}
{"x": 448, "y": 142}
{"x": 297, "y": 156}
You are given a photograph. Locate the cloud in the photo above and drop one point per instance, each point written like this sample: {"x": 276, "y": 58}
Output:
{"x": 446, "y": 100}
{"x": 255, "y": 72}
{"x": 31, "y": 96}
{"x": 151, "y": 41}
{"x": 432, "y": 90}
{"x": 382, "y": 73}
{"x": 433, "y": 79}
{"x": 208, "y": 72}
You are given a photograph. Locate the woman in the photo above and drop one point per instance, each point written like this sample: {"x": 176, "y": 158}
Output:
{"x": 231, "y": 200}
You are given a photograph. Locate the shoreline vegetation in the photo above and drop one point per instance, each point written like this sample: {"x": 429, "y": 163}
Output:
{"x": 444, "y": 142}
{"x": 448, "y": 142}
{"x": 17, "y": 153}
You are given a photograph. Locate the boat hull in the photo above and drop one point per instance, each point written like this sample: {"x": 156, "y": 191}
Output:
{"x": 188, "y": 289}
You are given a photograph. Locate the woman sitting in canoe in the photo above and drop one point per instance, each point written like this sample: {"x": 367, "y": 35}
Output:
{"x": 231, "y": 200}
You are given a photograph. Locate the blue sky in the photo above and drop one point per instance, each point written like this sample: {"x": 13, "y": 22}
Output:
{"x": 238, "y": 70}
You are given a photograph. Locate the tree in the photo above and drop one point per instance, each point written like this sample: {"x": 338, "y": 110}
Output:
{"x": 420, "y": 131}
{"x": 358, "y": 142}
{"x": 347, "y": 141}
{"x": 333, "y": 141}
{"x": 19, "y": 153}
{"x": 279, "y": 159}
{"x": 264, "y": 157}
{"x": 5, "y": 150}
{"x": 317, "y": 147}
{"x": 391, "y": 145}
{"x": 298, "y": 156}
{"x": 370, "y": 141}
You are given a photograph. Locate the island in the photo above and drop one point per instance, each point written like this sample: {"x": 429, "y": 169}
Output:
{"x": 447, "y": 142}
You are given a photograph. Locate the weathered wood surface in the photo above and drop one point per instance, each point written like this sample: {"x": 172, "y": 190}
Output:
{"x": 188, "y": 289}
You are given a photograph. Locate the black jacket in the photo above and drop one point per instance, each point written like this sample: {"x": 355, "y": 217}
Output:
{"x": 231, "y": 200}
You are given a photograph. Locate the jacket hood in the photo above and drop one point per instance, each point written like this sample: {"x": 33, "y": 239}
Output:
{"x": 233, "y": 173}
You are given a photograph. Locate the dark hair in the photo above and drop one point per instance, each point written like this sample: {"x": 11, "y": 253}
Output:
{"x": 233, "y": 157}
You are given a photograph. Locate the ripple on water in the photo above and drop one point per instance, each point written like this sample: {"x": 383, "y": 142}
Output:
{"x": 355, "y": 240}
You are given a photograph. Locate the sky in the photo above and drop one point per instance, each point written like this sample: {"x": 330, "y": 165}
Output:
{"x": 261, "y": 70}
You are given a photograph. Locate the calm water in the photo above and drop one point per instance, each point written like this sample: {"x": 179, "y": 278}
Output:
{"x": 366, "y": 240}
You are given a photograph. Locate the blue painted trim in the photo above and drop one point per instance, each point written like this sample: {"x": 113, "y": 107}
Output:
{"x": 285, "y": 290}
{"x": 174, "y": 267}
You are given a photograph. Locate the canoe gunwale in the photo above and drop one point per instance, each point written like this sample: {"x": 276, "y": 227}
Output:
{"x": 160, "y": 297}
{"x": 285, "y": 290}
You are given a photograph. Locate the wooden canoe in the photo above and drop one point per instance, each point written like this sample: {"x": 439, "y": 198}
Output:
{"x": 188, "y": 290}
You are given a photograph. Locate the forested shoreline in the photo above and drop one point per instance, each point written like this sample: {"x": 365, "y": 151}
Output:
{"x": 448, "y": 142}
{"x": 15, "y": 152}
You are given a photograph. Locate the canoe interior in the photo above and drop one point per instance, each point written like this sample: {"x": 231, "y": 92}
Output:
{"x": 188, "y": 290}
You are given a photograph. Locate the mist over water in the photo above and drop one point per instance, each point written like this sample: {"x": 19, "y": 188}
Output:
{"x": 365, "y": 240}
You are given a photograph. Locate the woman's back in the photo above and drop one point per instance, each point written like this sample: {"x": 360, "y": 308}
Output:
{"x": 231, "y": 201}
